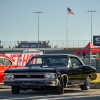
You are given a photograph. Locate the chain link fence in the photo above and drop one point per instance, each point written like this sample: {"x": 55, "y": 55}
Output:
{"x": 52, "y": 43}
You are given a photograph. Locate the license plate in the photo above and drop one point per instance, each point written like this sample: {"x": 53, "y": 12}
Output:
{"x": 28, "y": 83}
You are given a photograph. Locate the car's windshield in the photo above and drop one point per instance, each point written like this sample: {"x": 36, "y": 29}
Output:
{"x": 47, "y": 61}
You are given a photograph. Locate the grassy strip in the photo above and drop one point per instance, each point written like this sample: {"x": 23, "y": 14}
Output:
{"x": 97, "y": 81}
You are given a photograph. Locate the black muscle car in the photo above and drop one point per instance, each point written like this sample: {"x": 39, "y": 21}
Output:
{"x": 51, "y": 72}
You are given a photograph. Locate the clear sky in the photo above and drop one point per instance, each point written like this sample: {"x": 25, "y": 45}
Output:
{"x": 18, "y": 23}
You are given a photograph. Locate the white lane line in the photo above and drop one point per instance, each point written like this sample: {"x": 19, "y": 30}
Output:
{"x": 56, "y": 97}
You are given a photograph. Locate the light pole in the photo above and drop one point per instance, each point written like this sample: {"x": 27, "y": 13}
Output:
{"x": 91, "y": 21}
{"x": 90, "y": 53}
{"x": 38, "y": 12}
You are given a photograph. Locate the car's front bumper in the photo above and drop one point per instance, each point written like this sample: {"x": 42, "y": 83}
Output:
{"x": 32, "y": 82}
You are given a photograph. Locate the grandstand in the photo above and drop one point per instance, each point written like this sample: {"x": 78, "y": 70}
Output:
{"x": 33, "y": 44}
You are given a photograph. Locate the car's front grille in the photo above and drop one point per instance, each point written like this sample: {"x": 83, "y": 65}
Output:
{"x": 28, "y": 76}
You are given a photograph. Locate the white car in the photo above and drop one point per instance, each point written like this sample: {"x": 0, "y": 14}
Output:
{"x": 93, "y": 57}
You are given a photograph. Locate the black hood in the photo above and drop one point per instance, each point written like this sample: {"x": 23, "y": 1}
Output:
{"x": 29, "y": 69}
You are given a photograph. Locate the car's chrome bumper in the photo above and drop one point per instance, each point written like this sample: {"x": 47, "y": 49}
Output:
{"x": 32, "y": 82}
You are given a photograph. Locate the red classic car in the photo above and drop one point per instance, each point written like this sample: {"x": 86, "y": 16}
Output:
{"x": 5, "y": 63}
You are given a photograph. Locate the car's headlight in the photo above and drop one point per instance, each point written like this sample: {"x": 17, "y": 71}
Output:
{"x": 6, "y": 75}
{"x": 9, "y": 76}
{"x": 50, "y": 75}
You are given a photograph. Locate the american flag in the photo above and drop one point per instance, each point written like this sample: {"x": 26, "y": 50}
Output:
{"x": 70, "y": 11}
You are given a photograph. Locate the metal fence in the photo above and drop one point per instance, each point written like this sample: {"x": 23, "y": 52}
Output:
{"x": 95, "y": 63}
{"x": 52, "y": 43}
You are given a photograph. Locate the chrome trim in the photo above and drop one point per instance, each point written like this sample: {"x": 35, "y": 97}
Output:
{"x": 27, "y": 82}
{"x": 35, "y": 73}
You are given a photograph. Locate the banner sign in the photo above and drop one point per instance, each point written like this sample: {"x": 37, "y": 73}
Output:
{"x": 21, "y": 58}
{"x": 96, "y": 40}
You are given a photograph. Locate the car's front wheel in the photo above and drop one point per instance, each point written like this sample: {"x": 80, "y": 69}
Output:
{"x": 86, "y": 85}
{"x": 15, "y": 89}
{"x": 60, "y": 87}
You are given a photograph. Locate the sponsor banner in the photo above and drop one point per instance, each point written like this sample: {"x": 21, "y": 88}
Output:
{"x": 21, "y": 58}
{"x": 96, "y": 40}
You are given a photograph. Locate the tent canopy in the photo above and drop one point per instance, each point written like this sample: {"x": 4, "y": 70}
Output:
{"x": 87, "y": 49}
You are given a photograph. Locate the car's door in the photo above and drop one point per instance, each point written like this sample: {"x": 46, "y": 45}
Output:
{"x": 75, "y": 70}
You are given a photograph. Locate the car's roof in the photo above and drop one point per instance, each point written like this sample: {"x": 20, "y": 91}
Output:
{"x": 59, "y": 55}
{"x": 4, "y": 56}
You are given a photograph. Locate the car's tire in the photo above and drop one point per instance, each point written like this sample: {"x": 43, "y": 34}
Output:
{"x": 15, "y": 89}
{"x": 86, "y": 85}
{"x": 60, "y": 87}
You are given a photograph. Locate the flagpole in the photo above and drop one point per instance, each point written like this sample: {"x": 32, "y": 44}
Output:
{"x": 69, "y": 12}
{"x": 66, "y": 31}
